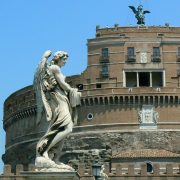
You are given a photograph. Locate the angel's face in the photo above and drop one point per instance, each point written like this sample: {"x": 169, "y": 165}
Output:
{"x": 62, "y": 61}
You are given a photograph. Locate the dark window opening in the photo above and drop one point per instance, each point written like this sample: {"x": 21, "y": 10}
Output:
{"x": 106, "y": 100}
{"x": 156, "y": 51}
{"x": 105, "y": 52}
{"x": 130, "y": 51}
{"x": 131, "y": 80}
{"x": 149, "y": 167}
{"x": 144, "y": 79}
{"x": 136, "y": 100}
{"x": 80, "y": 87}
{"x": 116, "y": 100}
{"x": 178, "y": 51}
{"x": 105, "y": 71}
{"x": 126, "y": 100}
{"x": 156, "y": 57}
{"x": 111, "y": 100}
{"x": 130, "y": 55}
{"x": 157, "y": 79}
{"x": 101, "y": 100}
{"x": 98, "y": 86}
{"x": 105, "y": 68}
{"x": 121, "y": 100}
{"x": 151, "y": 99}
{"x": 178, "y": 54}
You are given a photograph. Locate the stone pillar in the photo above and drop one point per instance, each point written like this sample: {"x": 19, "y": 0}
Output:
{"x": 169, "y": 169}
{"x": 164, "y": 79}
{"x": 150, "y": 79}
{"x": 156, "y": 170}
{"x": 124, "y": 79}
{"x": 131, "y": 170}
{"x": 118, "y": 170}
{"x": 137, "y": 77}
{"x": 31, "y": 167}
{"x": 7, "y": 170}
{"x": 143, "y": 170}
{"x": 19, "y": 168}
{"x": 81, "y": 169}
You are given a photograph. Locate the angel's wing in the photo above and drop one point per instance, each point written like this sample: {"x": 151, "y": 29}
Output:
{"x": 133, "y": 9}
{"x": 42, "y": 103}
{"x": 146, "y": 12}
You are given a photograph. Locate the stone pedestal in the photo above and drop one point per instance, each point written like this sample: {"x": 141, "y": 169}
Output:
{"x": 33, "y": 175}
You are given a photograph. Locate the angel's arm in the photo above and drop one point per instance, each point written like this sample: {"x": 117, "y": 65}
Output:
{"x": 60, "y": 79}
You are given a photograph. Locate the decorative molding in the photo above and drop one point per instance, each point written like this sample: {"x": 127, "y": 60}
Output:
{"x": 147, "y": 116}
{"x": 20, "y": 115}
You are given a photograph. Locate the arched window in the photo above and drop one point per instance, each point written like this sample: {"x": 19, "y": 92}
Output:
{"x": 149, "y": 167}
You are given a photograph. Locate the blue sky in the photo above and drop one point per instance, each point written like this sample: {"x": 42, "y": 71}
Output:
{"x": 28, "y": 28}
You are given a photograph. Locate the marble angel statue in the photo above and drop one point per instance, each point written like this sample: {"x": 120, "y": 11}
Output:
{"x": 58, "y": 100}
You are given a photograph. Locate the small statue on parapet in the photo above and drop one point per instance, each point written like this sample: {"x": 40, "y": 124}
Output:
{"x": 57, "y": 100}
{"x": 103, "y": 175}
{"x": 139, "y": 14}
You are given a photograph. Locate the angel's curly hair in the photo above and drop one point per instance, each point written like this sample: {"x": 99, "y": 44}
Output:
{"x": 58, "y": 56}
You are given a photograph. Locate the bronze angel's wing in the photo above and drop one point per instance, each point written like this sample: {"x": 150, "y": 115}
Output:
{"x": 41, "y": 101}
{"x": 146, "y": 12}
{"x": 133, "y": 9}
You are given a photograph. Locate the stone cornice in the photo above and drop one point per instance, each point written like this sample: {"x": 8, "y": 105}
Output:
{"x": 20, "y": 115}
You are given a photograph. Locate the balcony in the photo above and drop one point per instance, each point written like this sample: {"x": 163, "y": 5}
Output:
{"x": 104, "y": 59}
{"x": 130, "y": 58}
{"x": 156, "y": 58}
{"x": 146, "y": 91}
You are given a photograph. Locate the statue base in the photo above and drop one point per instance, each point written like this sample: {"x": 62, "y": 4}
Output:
{"x": 33, "y": 175}
{"x": 47, "y": 165}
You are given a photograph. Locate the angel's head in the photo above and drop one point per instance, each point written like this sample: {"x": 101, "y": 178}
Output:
{"x": 59, "y": 58}
{"x": 140, "y": 8}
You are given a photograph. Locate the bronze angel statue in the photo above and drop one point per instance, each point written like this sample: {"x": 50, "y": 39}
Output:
{"x": 58, "y": 100}
{"x": 139, "y": 14}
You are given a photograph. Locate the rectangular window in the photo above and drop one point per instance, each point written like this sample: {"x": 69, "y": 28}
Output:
{"x": 131, "y": 80}
{"x": 80, "y": 87}
{"x": 105, "y": 71}
{"x": 98, "y": 86}
{"x": 130, "y": 51}
{"x": 156, "y": 51}
{"x": 179, "y": 51}
{"x": 104, "y": 68}
{"x": 105, "y": 52}
{"x": 144, "y": 79}
{"x": 157, "y": 79}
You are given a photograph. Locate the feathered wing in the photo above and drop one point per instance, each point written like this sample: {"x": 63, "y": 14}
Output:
{"x": 146, "y": 12}
{"x": 133, "y": 9}
{"x": 42, "y": 103}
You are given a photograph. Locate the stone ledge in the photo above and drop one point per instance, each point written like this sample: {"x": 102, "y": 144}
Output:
{"x": 32, "y": 175}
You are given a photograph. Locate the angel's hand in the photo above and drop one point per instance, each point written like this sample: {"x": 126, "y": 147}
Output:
{"x": 47, "y": 54}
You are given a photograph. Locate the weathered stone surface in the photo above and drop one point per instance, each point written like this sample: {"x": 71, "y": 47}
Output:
{"x": 49, "y": 175}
